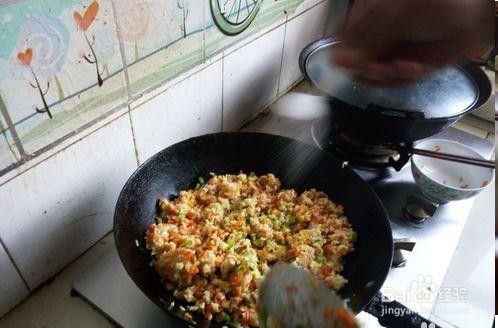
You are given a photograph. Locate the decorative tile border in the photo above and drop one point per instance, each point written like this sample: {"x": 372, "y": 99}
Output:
{"x": 73, "y": 66}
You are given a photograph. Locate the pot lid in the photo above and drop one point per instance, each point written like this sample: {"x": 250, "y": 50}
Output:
{"x": 448, "y": 92}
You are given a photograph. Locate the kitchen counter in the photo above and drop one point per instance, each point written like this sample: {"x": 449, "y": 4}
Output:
{"x": 53, "y": 306}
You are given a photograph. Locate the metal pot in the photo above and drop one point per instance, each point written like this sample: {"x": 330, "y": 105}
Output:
{"x": 405, "y": 114}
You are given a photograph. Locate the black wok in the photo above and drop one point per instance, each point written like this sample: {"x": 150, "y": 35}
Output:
{"x": 379, "y": 124}
{"x": 298, "y": 166}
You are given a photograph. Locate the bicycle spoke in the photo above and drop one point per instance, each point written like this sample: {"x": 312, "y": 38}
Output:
{"x": 231, "y": 10}
{"x": 224, "y": 5}
{"x": 237, "y": 17}
{"x": 247, "y": 7}
{"x": 238, "y": 13}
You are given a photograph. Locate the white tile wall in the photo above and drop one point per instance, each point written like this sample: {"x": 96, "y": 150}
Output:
{"x": 189, "y": 108}
{"x": 300, "y": 32}
{"x": 307, "y": 4}
{"x": 57, "y": 209}
{"x": 250, "y": 78}
{"x": 12, "y": 289}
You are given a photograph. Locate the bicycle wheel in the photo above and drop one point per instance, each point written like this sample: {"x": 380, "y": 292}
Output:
{"x": 234, "y": 16}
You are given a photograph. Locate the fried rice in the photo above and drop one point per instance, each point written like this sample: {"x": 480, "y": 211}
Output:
{"x": 212, "y": 245}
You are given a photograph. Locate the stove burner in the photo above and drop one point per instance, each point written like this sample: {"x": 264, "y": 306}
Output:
{"x": 327, "y": 136}
{"x": 402, "y": 246}
{"x": 418, "y": 209}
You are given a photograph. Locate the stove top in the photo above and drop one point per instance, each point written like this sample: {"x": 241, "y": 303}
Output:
{"x": 328, "y": 136}
{"x": 107, "y": 286}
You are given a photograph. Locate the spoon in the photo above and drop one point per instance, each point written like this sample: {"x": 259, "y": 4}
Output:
{"x": 292, "y": 297}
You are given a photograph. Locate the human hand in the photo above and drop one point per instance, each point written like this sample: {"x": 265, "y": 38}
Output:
{"x": 387, "y": 43}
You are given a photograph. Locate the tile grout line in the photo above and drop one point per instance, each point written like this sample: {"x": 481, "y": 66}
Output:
{"x": 121, "y": 49}
{"x": 325, "y": 26}
{"x": 135, "y": 148}
{"x": 2, "y": 244}
{"x": 4, "y": 133}
{"x": 282, "y": 57}
{"x": 204, "y": 30}
{"x": 47, "y": 281}
{"x": 127, "y": 79}
{"x": 71, "y": 96}
{"x": 12, "y": 129}
{"x": 70, "y": 135}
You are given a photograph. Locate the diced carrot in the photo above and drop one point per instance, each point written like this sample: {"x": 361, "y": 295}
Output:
{"x": 328, "y": 314}
{"x": 291, "y": 289}
{"x": 193, "y": 270}
{"x": 171, "y": 210}
{"x": 293, "y": 252}
{"x": 314, "y": 283}
{"x": 344, "y": 317}
{"x": 191, "y": 215}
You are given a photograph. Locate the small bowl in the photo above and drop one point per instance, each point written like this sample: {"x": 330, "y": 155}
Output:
{"x": 445, "y": 181}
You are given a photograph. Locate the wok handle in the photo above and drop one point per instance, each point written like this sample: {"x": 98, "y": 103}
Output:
{"x": 392, "y": 314}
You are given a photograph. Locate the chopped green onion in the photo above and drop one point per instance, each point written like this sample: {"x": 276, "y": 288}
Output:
{"x": 259, "y": 242}
{"x": 320, "y": 259}
{"x": 181, "y": 215}
{"x": 201, "y": 180}
{"x": 290, "y": 220}
{"x": 230, "y": 243}
{"x": 225, "y": 317}
{"x": 234, "y": 324}
{"x": 188, "y": 242}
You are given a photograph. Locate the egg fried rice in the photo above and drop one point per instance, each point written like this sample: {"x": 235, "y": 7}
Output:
{"x": 213, "y": 244}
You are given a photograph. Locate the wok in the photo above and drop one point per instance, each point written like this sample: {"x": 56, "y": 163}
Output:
{"x": 298, "y": 165}
{"x": 373, "y": 122}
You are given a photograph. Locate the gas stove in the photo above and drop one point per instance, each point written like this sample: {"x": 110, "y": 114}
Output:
{"x": 423, "y": 250}
{"x": 329, "y": 137}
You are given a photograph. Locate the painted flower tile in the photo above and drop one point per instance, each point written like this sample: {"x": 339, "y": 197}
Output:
{"x": 161, "y": 38}
{"x": 63, "y": 58}
{"x": 61, "y": 68}
{"x": 220, "y": 28}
